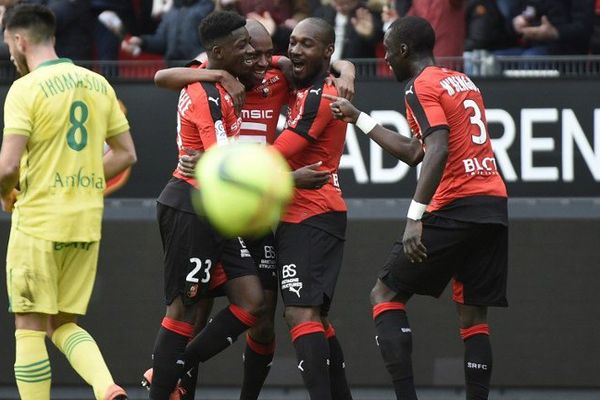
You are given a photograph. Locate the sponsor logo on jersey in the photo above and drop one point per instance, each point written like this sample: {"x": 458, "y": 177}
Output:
{"x": 257, "y": 114}
{"x": 484, "y": 166}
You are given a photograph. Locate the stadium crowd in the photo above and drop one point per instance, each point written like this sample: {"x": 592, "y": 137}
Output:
{"x": 109, "y": 30}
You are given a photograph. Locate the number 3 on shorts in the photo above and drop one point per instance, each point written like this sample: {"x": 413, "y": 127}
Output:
{"x": 191, "y": 277}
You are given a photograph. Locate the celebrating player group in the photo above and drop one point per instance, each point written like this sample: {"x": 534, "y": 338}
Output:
{"x": 456, "y": 225}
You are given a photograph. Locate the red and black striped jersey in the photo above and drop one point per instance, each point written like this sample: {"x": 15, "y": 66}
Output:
{"x": 442, "y": 98}
{"x": 205, "y": 117}
{"x": 262, "y": 106}
{"x": 313, "y": 135}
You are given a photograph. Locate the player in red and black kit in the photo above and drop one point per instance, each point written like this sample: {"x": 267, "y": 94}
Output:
{"x": 205, "y": 117}
{"x": 310, "y": 238}
{"x": 457, "y": 223}
{"x": 266, "y": 90}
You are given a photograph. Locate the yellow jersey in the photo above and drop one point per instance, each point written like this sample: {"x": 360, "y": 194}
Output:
{"x": 67, "y": 112}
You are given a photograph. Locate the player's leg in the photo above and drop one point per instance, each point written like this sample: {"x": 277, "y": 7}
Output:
{"x": 29, "y": 265}
{"x": 394, "y": 337}
{"x": 260, "y": 349}
{"x": 247, "y": 305}
{"x": 312, "y": 350}
{"x": 260, "y": 339}
{"x": 399, "y": 279}
{"x": 340, "y": 390}
{"x": 189, "y": 380}
{"x": 480, "y": 282}
{"x": 474, "y": 331}
{"x": 309, "y": 262}
{"x": 32, "y": 366}
{"x": 190, "y": 253}
{"x": 78, "y": 273}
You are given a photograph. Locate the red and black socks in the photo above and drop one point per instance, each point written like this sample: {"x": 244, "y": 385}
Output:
{"x": 478, "y": 361}
{"x": 394, "y": 339}
{"x": 337, "y": 367}
{"x": 312, "y": 353}
{"x": 257, "y": 363}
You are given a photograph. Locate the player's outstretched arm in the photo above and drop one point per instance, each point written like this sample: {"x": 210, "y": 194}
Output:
{"x": 179, "y": 77}
{"x": 408, "y": 150}
{"x": 347, "y": 75}
{"x": 121, "y": 156}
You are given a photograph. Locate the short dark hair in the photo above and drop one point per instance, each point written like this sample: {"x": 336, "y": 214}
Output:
{"x": 325, "y": 28}
{"x": 415, "y": 32}
{"x": 218, "y": 25}
{"x": 39, "y": 20}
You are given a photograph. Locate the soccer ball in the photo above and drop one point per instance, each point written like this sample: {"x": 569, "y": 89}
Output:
{"x": 242, "y": 188}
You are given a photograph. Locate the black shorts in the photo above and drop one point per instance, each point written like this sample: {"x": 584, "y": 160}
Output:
{"x": 309, "y": 260}
{"x": 265, "y": 258}
{"x": 474, "y": 255}
{"x": 192, "y": 248}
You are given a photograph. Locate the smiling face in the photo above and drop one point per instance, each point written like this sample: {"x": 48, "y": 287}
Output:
{"x": 309, "y": 50}
{"x": 237, "y": 53}
{"x": 17, "y": 42}
{"x": 261, "y": 42}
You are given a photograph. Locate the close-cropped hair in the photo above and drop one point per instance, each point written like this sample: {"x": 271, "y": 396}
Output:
{"x": 37, "y": 19}
{"x": 219, "y": 25}
{"x": 415, "y": 32}
{"x": 325, "y": 29}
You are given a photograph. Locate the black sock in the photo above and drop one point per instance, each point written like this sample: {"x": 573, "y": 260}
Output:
{"x": 312, "y": 352}
{"x": 337, "y": 370}
{"x": 394, "y": 339}
{"x": 219, "y": 334}
{"x": 189, "y": 381}
{"x": 168, "y": 357}
{"x": 257, "y": 363}
{"x": 478, "y": 366}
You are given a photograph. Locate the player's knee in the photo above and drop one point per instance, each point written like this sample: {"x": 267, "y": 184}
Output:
{"x": 297, "y": 315}
{"x": 263, "y": 331}
{"x": 377, "y": 295}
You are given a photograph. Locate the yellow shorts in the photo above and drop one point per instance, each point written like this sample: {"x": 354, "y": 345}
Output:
{"x": 49, "y": 277}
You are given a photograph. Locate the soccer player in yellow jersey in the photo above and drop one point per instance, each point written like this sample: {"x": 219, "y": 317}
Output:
{"x": 52, "y": 176}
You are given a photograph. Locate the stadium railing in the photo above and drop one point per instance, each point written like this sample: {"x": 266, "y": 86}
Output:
{"x": 478, "y": 64}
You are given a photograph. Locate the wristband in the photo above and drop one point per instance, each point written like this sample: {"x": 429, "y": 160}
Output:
{"x": 416, "y": 210}
{"x": 365, "y": 123}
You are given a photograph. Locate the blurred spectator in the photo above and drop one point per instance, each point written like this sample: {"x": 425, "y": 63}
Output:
{"x": 357, "y": 29}
{"x": 447, "y": 17}
{"x": 486, "y": 31}
{"x": 392, "y": 10}
{"x": 113, "y": 19}
{"x": 545, "y": 27}
{"x": 595, "y": 39}
{"x": 74, "y": 24}
{"x": 509, "y": 8}
{"x": 278, "y": 16}
{"x": 177, "y": 34}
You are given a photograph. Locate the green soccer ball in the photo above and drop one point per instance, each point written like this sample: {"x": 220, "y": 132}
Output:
{"x": 242, "y": 188}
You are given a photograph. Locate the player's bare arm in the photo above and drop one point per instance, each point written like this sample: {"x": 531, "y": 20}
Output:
{"x": 431, "y": 175}
{"x": 12, "y": 149}
{"x": 179, "y": 77}
{"x": 408, "y": 150}
{"x": 121, "y": 156}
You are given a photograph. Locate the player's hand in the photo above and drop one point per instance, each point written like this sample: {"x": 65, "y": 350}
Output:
{"x": 310, "y": 177}
{"x": 342, "y": 109}
{"x": 411, "y": 241}
{"x": 133, "y": 45}
{"x": 344, "y": 86}
{"x": 236, "y": 90}
{"x": 187, "y": 163}
{"x": 8, "y": 201}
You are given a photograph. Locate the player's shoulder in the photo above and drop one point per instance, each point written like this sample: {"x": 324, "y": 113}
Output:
{"x": 204, "y": 93}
